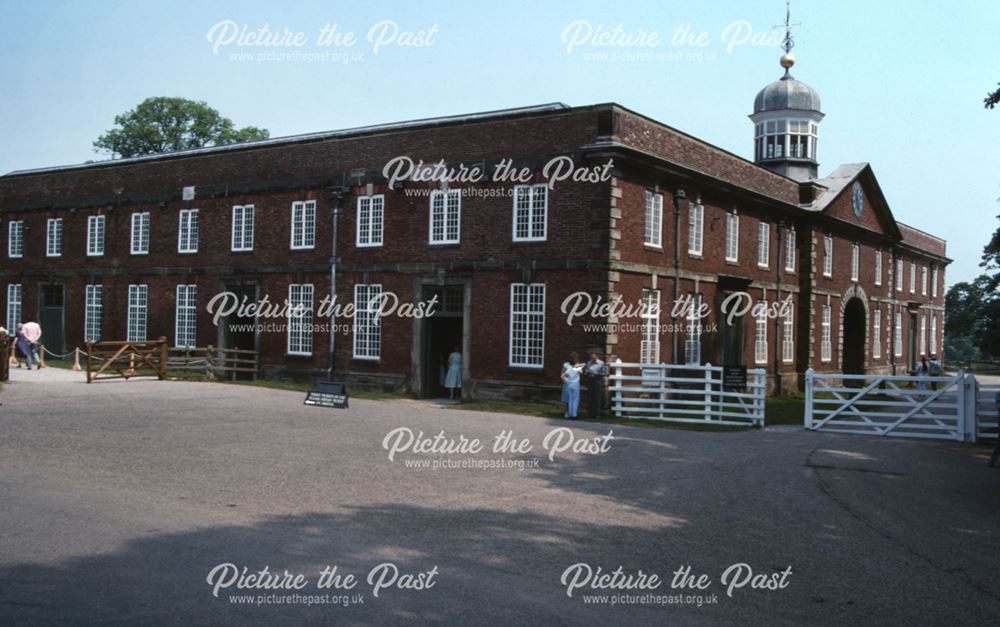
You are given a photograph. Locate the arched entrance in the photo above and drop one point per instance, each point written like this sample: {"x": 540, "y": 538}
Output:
{"x": 853, "y": 346}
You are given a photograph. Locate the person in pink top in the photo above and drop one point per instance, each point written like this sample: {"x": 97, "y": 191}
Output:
{"x": 32, "y": 334}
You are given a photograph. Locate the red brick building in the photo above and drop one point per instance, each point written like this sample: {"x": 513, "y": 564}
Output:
{"x": 137, "y": 248}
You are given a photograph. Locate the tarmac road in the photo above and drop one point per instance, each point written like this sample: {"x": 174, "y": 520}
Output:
{"x": 119, "y": 498}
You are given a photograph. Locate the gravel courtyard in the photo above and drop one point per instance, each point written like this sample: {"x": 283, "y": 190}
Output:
{"x": 120, "y": 498}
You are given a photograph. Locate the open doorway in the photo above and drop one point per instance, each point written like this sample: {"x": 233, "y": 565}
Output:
{"x": 442, "y": 333}
{"x": 51, "y": 317}
{"x": 236, "y": 331}
{"x": 855, "y": 328}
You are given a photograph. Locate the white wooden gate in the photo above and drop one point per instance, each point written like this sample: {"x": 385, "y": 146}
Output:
{"x": 905, "y": 406}
{"x": 685, "y": 394}
{"x": 986, "y": 410}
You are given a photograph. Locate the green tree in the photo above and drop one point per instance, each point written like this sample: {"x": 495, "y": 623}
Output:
{"x": 167, "y": 124}
{"x": 972, "y": 310}
{"x": 992, "y": 99}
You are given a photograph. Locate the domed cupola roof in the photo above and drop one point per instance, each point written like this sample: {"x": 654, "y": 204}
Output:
{"x": 786, "y": 93}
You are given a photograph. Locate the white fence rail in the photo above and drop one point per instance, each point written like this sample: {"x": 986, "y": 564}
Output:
{"x": 685, "y": 394}
{"x": 986, "y": 410}
{"x": 904, "y": 406}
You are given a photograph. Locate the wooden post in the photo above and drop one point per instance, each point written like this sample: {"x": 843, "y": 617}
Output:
{"x": 41, "y": 356}
{"x": 163, "y": 358}
{"x": 76, "y": 359}
{"x": 90, "y": 348}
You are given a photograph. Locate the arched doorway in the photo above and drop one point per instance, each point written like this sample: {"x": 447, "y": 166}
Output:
{"x": 855, "y": 328}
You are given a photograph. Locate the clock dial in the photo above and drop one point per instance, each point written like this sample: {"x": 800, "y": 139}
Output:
{"x": 858, "y": 198}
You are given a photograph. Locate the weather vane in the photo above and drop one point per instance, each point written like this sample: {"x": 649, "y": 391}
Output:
{"x": 788, "y": 43}
{"x": 788, "y": 59}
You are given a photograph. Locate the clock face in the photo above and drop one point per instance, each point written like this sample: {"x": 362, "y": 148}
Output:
{"x": 858, "y": 198}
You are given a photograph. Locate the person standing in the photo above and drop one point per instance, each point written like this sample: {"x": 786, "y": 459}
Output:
{"x": 32, "y": 333}
{"x": 571, "y": 385}
{"x": 453, "y": 379}
{"x": 594, "y": 376}
{"x": 934, "y": 370}
{"x": 922, "y": 374}
{"x": 22, "y": 350}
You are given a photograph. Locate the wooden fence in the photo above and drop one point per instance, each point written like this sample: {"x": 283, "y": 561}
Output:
{"x": 124, "y": 360}
{"x": 214, "y": 361}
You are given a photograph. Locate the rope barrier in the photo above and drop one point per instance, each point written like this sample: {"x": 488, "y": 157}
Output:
{"x": 57, "y": 356}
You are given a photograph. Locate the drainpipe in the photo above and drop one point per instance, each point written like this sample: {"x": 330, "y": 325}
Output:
{"x": 892, "y": 312}
{"x": 779, "y": 321}
{"x": 335, "y": 211}
{"x": 679, "y": 197}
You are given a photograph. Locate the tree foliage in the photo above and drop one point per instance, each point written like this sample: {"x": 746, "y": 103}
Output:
{"x": 972, "y": 310}
{"x": 164, "y": 124}
{"x": 992, "y": 99}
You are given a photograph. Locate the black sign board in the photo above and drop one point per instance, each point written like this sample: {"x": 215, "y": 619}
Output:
{"x": 327, "y": 394}
{"x": 734, "y": 377}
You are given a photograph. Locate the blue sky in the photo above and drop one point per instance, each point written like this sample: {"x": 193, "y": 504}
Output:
{"x": 901, "y": 82}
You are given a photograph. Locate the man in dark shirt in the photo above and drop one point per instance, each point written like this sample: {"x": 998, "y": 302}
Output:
{"x": 593, "y": 373}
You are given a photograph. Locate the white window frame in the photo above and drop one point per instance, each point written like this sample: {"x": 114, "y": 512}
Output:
{"x": 15, "y": 294}
{"x": 826, "y": 339}
{"x": 877, "y": 335}
{"x": 140, "y": 233}
{"x": 933, "y": 341}
{"x": 878, "y": 268}
{"x": 241, "y": 239}
{"x": 773, "y": 139}
{"x": 649, "y": 313}
{"x": 186, "y": 316}
{"x": 828, "y": 256}
{"x": 899, "y": 274}
{"x": 530, "y": 202}
{"x": 913, "y": 276}
{"x": 53, "y": 237}
{"x": 300, "y": 319}
{"x": 696, "y": 229}
{"x": 96, "y": 229}
{"x": 692, "y": 334}
{"x": 527, "y": 318}
{"x": 788, "y": 335}
{"x": 855, "y": 261}
{"x": 138, "y": 309}
{"x": 367, "y": 330}
{"x": 652, "y": 234}
{"x": 760, "y": 337}
{"x": 790, "y": 250}
{"x": 370, "y": 221}
{"x": 732, "y": 237}
{"x": 923, "y": 280}
{"x": 898, "y": 335}
{"x": 187, "y": 231}
{"x": 93, "y": 297}
{"x": 934, "y": 281}
{"x": 923, "y": 335}
{"x": 303, "y": 225}
{"x": 15, "y": 239}
{"x": 445, "y": 217}
{"x": 763, "y": 244}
